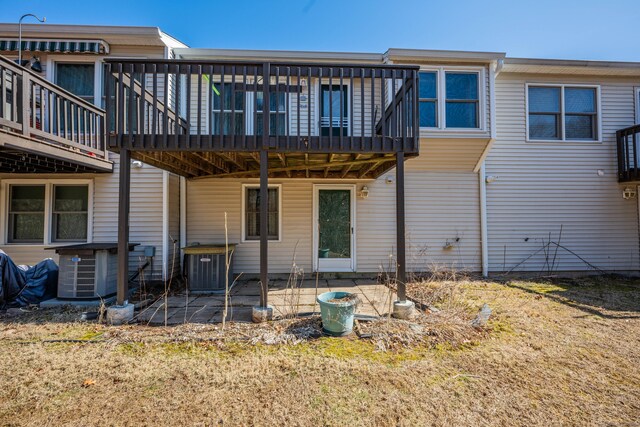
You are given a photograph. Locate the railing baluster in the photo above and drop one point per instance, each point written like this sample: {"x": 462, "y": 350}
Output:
{"x": 298, "y": 92}
{"x": 188, "y": 101}
{"x": 176, "y": 124}
{"x": 223, "y": 107}
{"x": 211, "y": 96}
{"x": 351, "y": 108}
{"x": 141, "y": 106}
{"x": 362, "y": 108}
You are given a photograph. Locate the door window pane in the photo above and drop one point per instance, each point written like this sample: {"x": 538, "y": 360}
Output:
{"x": 232, "y": 121}
{"x": 252, "y": 214}
{"x": 334, "y": 223}
{"x": 70, "y": 213}
{"x": 333, "y": 101}
{"x": 26, "y": 213}
{"x": 277, "y": 113}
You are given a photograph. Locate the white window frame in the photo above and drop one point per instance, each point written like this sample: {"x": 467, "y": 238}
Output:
{"x": 48, "y": 209}
{"x": 441, "y": 88}
{"x": 563, "y": 139}
{"x": 50, "y": 72}
{"x": 243, "y": 238}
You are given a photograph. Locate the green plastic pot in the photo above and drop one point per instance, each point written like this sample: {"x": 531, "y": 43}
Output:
{"x": 323, "y": 253}
{"x": 337, "y": 316}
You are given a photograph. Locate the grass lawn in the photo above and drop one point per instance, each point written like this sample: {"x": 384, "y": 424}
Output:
{"x": 565, "y": 352}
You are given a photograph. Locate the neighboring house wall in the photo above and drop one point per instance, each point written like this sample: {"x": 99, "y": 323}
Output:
{"x": 542, "y": 187}
{"x": 146, "y": 219}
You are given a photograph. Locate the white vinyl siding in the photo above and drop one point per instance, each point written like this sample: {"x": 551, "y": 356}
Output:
{"x": 542, "y": 187}
{"x": 441, "y": 207}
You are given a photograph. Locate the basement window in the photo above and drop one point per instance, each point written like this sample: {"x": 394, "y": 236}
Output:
{"x": 251, "y": 213}
{"x": 44, "y": 213}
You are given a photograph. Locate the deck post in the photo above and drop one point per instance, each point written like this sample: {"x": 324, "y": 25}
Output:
{"x": 402, "y": 308}
{"x": 400, "y": 228}
{"x": 123, "y": 226}
{"x": 264, "y": 221}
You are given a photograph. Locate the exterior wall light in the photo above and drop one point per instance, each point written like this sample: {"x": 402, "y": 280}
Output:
{"x": 136, "y": 164}
{"x": 364, "y": 192}
{"x": 628, "y": 193}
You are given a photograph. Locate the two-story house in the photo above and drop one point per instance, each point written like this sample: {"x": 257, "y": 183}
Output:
{"x": 349, "y": 163}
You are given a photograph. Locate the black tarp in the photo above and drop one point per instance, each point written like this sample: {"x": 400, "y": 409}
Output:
{"x": 21, "y": 285}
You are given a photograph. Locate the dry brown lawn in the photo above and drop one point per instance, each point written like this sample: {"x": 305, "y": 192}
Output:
{"x": 565, "y": 352}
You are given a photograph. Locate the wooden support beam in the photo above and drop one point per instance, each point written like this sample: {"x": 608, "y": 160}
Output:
{"x": 264, "y": 232}
{"x": 124, "y": 199}
{"x": 400, "y": 229}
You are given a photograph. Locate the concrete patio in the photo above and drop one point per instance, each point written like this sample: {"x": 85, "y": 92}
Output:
{"x": 375, "y": 300}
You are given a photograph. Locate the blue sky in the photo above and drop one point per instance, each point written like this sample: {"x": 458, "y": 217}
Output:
{"x": 587, "y": 29}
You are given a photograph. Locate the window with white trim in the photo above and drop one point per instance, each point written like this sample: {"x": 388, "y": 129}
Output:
{"x": 43, "y": 213}
{"x": 251, "y": 213}
{"x": 562, "y": 113}
{"x": 450, "y": 99}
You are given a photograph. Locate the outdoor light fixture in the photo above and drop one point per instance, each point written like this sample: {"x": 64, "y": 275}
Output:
{"x": 490, "y": 178}
{"x": 35, "y": 64}
{"x": 628, "y": 193}
{"x": 20, "y": 34}
{"x": 136, "y": 163}
{"x": 364, "y": 192}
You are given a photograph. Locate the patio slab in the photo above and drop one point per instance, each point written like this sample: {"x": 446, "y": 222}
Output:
{"x": 375, "y": 300}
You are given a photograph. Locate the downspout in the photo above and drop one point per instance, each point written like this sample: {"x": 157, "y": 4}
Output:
{"x": 494, "y": 70}
{"x": 483, "y": 221}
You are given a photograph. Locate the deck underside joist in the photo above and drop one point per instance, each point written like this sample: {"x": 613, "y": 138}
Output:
{"x": 281, "y": 165}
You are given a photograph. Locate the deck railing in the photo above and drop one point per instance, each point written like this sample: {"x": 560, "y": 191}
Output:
{"x": 221, "y": 106}
{"x": 37, "y": 109}
{"x": 628, "y": 155}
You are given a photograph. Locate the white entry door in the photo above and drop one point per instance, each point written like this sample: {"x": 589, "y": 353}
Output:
{"x": 334, "y": 228}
